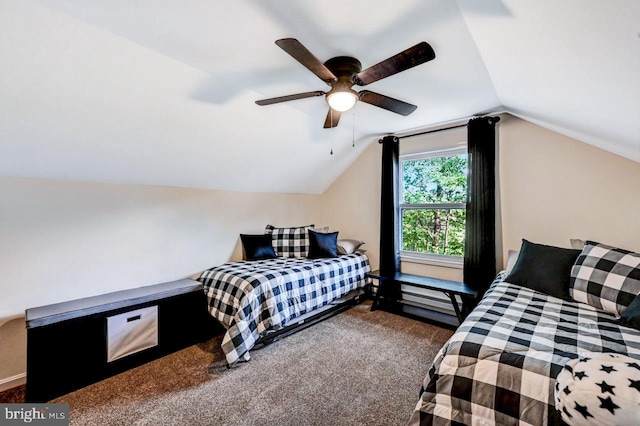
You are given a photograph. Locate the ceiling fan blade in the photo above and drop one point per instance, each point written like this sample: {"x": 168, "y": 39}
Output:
{"x": 333, "y": 117}
{"x": 290, "y": 97}
{"x": 386, "y": 102}
{"x": 300, "y": 53}
{"x": 413, "y": 56}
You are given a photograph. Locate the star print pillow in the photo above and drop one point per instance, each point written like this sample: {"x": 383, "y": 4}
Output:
{"x": 599, "y": 389}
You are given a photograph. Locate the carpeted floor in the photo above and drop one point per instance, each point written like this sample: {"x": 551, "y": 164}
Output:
{"x": 14, "y": 395}
{"x": 357, "y": 368}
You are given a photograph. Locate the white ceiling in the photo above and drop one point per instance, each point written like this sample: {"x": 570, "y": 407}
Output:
{"x": 162, "y": 92}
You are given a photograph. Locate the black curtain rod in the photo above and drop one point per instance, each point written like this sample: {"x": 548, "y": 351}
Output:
{"x": 426, "y": 132}
{"x": 442, "y": 129}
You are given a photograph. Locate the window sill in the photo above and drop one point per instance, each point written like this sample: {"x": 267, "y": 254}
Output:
{"x": 442, "y": 261}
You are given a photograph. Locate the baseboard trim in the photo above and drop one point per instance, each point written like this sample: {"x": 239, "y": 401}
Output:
{"x": 13, "y": 381}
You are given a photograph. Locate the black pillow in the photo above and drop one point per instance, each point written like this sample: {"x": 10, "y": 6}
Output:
{"x": 631, "y": 315}
{"x": 322, "y": 244}
{"x": 257, "y": 247}
{"x": 544, "y": 268}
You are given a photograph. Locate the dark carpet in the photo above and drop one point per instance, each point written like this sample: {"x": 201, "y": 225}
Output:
{"x": 357, "y": 368}
{"x": 14, "y": 395}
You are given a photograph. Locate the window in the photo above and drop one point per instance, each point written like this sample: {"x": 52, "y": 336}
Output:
{"x": 432, "y": 206}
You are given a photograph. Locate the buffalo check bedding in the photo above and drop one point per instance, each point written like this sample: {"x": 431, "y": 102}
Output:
{"x": 252, "y": 297}
{"x": 501, "y": 364}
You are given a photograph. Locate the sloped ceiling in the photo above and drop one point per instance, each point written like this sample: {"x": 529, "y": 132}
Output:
{"x": 162, "y": 92}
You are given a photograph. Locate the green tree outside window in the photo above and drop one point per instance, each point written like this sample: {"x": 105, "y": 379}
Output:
{"x": 432, "y": 206}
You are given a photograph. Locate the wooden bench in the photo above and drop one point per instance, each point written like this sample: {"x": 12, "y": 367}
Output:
{"x": 448, "y": 287}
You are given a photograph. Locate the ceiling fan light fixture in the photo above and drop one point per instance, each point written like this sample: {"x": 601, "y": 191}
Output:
{"x": 342, "y": 72}
{"x": 342, "y": 100}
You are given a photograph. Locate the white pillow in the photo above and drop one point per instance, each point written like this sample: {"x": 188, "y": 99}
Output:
{"x": 577, "y": 244}
{"x": 347, "y": 246}
{"x": 511, "y": 260}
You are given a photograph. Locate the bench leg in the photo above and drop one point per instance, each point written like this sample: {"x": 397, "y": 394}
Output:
{"x": 387, "y": 292}
{"x": 376, "y": 298}
{"x": 456, "y": 308}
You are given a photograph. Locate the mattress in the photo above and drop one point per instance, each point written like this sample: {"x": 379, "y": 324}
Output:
{"x": 251, "y": 298}
{"x": 501, "y": 364}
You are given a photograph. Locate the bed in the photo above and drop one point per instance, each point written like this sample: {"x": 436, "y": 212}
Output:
{"x": 271, "y": 291}
{"x": 520, "y": 357}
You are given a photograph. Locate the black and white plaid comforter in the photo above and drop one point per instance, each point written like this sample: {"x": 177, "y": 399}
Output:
{"x": 251, "y": 297}
{"x": 499, "y": 367}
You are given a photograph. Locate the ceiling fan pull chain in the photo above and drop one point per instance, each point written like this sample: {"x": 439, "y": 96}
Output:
{"x": 331, "y": 129}
{"x": 353, "y": 128}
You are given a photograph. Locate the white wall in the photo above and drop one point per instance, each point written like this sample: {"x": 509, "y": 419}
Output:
{"x": 351, "y": 205}
{"x": 554, "y": 188}
{"x": 65, "y": 240}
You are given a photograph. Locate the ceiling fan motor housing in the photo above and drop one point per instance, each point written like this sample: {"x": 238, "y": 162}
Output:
{"x": 344, "y": 67}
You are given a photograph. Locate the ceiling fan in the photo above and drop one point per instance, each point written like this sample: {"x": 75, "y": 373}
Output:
{"x": 342, "y": 72}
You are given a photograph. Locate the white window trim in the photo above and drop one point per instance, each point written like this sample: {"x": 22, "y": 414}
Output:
{"x": 431, "y": 154}
{"x": 455, "y": 262}
{"x": 443, "y": 206}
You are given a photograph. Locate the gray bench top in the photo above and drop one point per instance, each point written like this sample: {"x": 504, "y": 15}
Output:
{"x": 49, "y": 314}
{"x": 455, "y": 287}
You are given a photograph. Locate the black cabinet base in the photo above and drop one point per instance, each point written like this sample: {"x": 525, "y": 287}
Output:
{"x": 68, "y": 355}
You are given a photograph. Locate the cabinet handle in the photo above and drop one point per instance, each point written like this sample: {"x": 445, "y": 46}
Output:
{"x": 134, "y": 318}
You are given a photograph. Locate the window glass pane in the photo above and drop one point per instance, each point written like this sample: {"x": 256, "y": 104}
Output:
{"x": 435, "y": 180}
{"x": 434, "y": 231}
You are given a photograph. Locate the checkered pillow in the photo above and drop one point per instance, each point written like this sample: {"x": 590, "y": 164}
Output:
{"x": 290, "y": 242}
{"x": 605, "y": 277}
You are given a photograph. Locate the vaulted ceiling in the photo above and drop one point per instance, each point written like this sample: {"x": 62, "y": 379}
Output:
{"x": 162, "y": 92}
